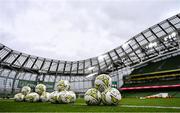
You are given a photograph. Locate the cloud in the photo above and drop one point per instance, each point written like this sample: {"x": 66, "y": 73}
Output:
{"x": 76, "y": 30}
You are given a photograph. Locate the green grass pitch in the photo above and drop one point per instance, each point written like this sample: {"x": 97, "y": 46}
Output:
{"x": 126, "y": 105}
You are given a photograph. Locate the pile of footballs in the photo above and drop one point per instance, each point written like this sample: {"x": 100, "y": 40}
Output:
{"x": 102, "y": 92}
{"x": 62, "y": 94}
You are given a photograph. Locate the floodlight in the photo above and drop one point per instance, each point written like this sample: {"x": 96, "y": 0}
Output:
{"x": 91, "y": 68}
{"x": 101, "y": 58}
{"x": 172, "y": 35}
{"x": 165, "y": 38}
{"x": 152, "y": 45}
{"x": 90, "y": 75}
{"x": 42, "y": 71}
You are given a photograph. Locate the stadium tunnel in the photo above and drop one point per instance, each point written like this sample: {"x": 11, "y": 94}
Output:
{"x": 126, "y": 64}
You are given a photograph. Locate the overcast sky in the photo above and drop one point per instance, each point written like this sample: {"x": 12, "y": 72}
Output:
{"x": 77, "y": 29}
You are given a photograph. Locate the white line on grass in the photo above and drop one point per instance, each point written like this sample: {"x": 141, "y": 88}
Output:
{"x": 163, "y": 107}
{"x": 135, "y": 106}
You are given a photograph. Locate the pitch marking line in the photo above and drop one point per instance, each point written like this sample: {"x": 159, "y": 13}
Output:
{"x": 163, "y": 107}
{"x": 134, "y": 106}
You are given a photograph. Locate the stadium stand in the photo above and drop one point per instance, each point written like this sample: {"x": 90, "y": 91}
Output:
{"x": 172, "y": 63}
{"x": 162, "y": 75}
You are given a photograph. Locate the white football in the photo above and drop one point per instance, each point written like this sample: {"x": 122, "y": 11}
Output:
{"x": 102, "y": 82}
{"x": 73, "y": 95}
{"x": 92, "y": 97}
{"x": 63, "y": 85}
{"x": 40, "y": 88}
{"x": 111, "y": 96}
{"x": 66, "y": 97}
{"x": 59, "y": 99}
{"x": 53, "y": 97}
{"x": 19, "y": 97}
{"x": 25, "y": 90}
{"x": 32, "y": 97}
{"x": 45, "y": 97}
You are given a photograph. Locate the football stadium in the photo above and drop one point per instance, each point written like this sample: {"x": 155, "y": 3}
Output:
{"x": 141, "y": 75}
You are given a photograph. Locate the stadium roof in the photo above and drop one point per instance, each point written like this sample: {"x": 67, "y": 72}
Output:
{"x": 153, "y": 42}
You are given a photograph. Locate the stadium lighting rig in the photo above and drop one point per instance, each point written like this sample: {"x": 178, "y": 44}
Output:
{"x": 91, "y": 68}
{"x": 42, "y": 71}
{"x": 172, "y": 35}
{"x": 101, "y": 58}
{"x": 92, "y": 74}
{"x": 151, "y": 45}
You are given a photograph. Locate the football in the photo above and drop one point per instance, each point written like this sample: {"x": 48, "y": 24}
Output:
{"x": 19, "y": 97}
{"x": 66, "y": 97}
{"x": 32, "y": 97}
{"x": 25, "y": 90}
{"x": 53, "y": 97}
{"x": 44, "y": 97}
{"x": 73, "y": 95}
{"x": 111, "y": 96}
{"x": 102, "y": 82}
{"x": 63, "y": 85}
{"x": 92, "y": 97}
{"x": 40, "y": 88}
